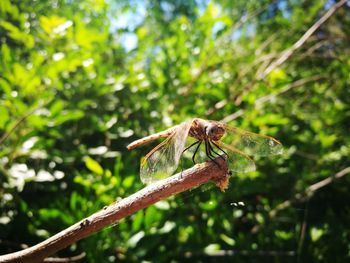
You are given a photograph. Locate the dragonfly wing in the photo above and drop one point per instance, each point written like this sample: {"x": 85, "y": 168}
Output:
{"x": 163, "y": 160}
{"x": 237, "y": 160}
{"x": 251, "y": 143}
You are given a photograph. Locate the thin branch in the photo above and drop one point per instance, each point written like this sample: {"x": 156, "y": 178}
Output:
{"x": 313, "y": 188}
{"x": 303, "y": 231}
{"x": 17, "y": 123}
{"x": 262, "y": 71}
{"x": 288, "y": 52}
{"x": 20, "y": 120}
{"x": 262, "y": 100}
{"x": 191, "y": 178}
{"x": 67, "y": 259}
{"x": 220, "y": 44}
{"x": 230, "y": 253}
{"x": 310, "y": 191}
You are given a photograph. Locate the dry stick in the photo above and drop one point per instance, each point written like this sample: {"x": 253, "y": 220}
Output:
{"x": 304, "y": 195}
{"x": 227, "y": 34}
{"x": 191, "y": 178}
{"x": 68, "y": 259}
{"x": 287, "y": 53}
{"x": 222, "y": 103}
{"x": 260, "y": 101}
{"x": 231, "y": 252}
{"x": 303, "y": 229}
{"x": 17, "y": 123}
{"x": 20, "y": 120}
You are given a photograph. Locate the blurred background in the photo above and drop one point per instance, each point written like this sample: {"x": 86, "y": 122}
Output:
{"x": 79, "y": 80}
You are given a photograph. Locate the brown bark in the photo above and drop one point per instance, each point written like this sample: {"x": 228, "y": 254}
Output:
{"x": 191, "y": 178}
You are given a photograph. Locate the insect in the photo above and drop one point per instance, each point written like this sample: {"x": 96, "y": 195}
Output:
{"x": 218, "y": 139}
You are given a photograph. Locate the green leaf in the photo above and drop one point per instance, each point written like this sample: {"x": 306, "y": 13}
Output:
{"x": 54, "y": 25}
{"x": 93, "y": 166}
{"x": 68, "y": 116}
{"x": 137, "y": 221}
{"x": 212, "y": 248}
{"x": 128, "y": 181}
{"x": 284, "y": 234}
{"x": 16, "y": 34}
{"x": 152, "y": 216}
{"x": 316, "y": 233}
{"x": 57, "y": 107}
{"x": 276, "y": 75}
{"x": 209, "y": 205}
{"x": 228, "y": 240}
{"x": 4, "y": 117}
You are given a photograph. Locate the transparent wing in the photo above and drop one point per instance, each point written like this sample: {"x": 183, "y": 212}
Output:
{"x": 163, "y": 160}
{"x": 237, "y": 160}
{"x": 251, "y": 143}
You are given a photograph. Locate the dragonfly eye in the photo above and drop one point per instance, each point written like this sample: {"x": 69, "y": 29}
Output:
{"x": 210, "y": 130}
{"x": 214, "y": 132}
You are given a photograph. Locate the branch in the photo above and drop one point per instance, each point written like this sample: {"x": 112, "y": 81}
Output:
{"x": 261, "y": 72}
{"x": 262, "y": 100}
{"x": 232, "y": 252}
{"x": 16, "y": 124}
{"x": 310, "y": 191}
{"x": 191, "y": 178}
{"x": 288, "y": 52}
{"x": 220, "y": 44}
{"x": 20, "y": 120}
{"x": 69, "y": 259}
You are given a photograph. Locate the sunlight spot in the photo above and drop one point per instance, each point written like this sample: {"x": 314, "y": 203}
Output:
{"x": 58, "y": 174}
{"x": 88, "y": 62}
{"x": 29, "y": 143}
{"x": 58, "y": 56}
{"x": 61, "y": 28}
{"x": 196, "y": 51}
{"x": 98, "y": 150}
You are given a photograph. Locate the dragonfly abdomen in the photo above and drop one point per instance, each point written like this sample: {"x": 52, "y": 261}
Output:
{"x": 150, "y": 138}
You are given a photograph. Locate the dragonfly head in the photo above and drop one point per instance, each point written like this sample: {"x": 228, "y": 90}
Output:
{"x": 214, "y": 131}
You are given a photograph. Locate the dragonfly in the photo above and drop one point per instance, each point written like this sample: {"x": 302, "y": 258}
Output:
{"x": 219, "y": 140}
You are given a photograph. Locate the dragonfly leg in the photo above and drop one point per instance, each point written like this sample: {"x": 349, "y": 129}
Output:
{"x": 195, "y": 152}
{"x": 193, "y": 144}
{"x": 212, "y": 150}
{"x": 208, "y": 152}
{"x": 217, "y": 146}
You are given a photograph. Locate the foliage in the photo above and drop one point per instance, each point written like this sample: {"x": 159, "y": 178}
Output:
{"x": 79, "y": 80}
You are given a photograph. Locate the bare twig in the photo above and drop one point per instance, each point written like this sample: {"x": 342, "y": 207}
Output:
{"x": 20, "y": 120}
{"x": 310, "y": 191}
{"x": 68, "y": 259}
{"x": 17, "y": 123}
{"x": 260, "y": 101}
{"x": 313, "y": 188}
{"x": 220, "y": 44}
{"x": 228, "y": 253}
{"x": 303, "y": 232}
{"x": 191, "y": 178}
{"x": 265, "y": 68}
{"x": 288, "y": 52}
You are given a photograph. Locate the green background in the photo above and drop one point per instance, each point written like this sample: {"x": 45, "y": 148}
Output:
{"x": 79, "y": 80}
